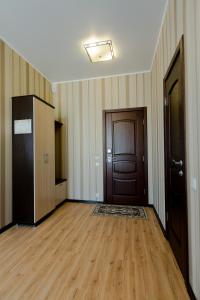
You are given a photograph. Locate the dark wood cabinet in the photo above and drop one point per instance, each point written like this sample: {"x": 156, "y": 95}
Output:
{"x": 33, "y": 159}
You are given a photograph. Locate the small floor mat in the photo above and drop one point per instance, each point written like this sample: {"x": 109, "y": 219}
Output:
{"x": 135, "y": 212}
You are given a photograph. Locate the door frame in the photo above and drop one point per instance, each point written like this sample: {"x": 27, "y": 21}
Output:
{"x": 179, "y": 51}
{"x": 144, "y": 109}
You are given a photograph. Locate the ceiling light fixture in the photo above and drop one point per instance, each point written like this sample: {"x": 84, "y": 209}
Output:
{"x": 100, "y": 51}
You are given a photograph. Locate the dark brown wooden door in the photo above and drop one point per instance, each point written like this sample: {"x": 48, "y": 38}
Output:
{"x": 175, "y": 164}
{"x": 125, "y": 158}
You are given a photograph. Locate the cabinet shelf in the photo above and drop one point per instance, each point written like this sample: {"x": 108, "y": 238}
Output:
{"x": 60, "y": 180}
{"x": 58, "y": 124}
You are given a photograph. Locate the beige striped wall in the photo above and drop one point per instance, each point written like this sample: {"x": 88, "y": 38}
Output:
{"x": 180, "y": 18}
{"x": 80, "y": 109}
{"x": 17, "y": 77}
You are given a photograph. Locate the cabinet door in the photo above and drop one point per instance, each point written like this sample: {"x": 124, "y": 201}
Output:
{"x": 44, "y": 175}
{"x": 50, "y": 151}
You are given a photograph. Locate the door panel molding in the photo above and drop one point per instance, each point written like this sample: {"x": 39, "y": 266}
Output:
{"x": 132, "y": 168}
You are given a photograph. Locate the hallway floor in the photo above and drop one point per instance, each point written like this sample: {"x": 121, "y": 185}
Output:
{"x": 74, "y": 255}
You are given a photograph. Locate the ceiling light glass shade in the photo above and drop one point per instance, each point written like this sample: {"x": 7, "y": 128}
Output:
{"x": 100, "y": 51}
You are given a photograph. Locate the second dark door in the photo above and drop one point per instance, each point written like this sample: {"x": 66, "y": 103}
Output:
{"x": 175, "y": 163}
{"x": 125, "y": 158}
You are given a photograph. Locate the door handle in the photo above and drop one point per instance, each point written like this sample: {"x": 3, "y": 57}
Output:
{"x": 46, "y": 158}
{"x": 181, "y": 173}
{"x": 109, "y": 159}
{"x": 177, "y": 163}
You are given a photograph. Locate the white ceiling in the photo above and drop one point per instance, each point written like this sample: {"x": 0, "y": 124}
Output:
{"x": 50, "y": 34}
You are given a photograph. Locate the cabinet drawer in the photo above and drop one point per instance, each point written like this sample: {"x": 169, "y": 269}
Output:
{"x": 61, "y": 190}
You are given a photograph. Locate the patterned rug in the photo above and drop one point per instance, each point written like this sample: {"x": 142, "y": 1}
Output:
{"x": 120, "y": 211}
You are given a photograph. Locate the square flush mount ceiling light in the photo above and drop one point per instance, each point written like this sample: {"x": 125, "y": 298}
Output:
{"x": 100, "y": 51}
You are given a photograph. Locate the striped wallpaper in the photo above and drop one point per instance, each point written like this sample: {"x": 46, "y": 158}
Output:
{"x": 17, "y": 77}
{"x": 180, "y": 18}
{"x": 80, "y": 109}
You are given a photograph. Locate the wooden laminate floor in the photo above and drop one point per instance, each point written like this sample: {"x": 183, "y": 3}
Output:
{"x": 74, "y": 255}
